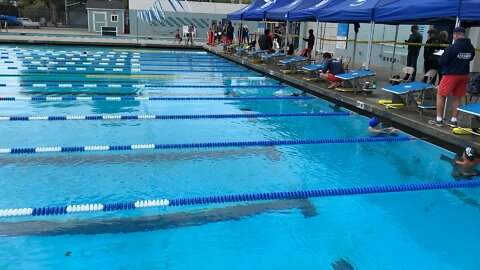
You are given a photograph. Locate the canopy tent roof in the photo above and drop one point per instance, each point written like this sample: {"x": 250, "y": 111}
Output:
{"x": 259, "y": 13}
{"x": 10, "y": 19}
{"x": 309, "y": 12}
{"x": 470, "y": 10}
{"x": 415, "y": 11}
{"x": 238, "y": 15}
{"x": 281, "y": 13}
{"x": 349, "y": 11}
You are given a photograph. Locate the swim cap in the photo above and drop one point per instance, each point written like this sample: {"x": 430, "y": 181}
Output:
{"x": 471, "y": 152}
{"x": 374, "y": 122}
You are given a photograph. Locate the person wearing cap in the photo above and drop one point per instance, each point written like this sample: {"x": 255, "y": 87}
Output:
{"x": 455, "y": 62}
{"x": 431, "y": 60}
{"x": 375, "y": 127}
{"x": 414, "y": 50}
{"x": 468, "y": 163}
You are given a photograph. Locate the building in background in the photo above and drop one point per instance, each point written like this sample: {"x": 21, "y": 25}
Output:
{"x": 199, "y": 14}
{"x": 105, "y": 13}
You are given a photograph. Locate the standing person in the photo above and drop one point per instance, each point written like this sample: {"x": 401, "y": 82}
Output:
{"x": 219, "y": 32}
{"x": 414, "y": 50}
{"x": 230, "y": 30}
{"x": 211, "y": 34}
{"x": 442, "y": 40}
{"x": 245, "y": 35}
{"x": 191, "y": 31}
{"x": 430, "y": 60}
{"x": 265, "y": 41}
{"x": 310, "y": 43}
{"x": 455, "y": 63}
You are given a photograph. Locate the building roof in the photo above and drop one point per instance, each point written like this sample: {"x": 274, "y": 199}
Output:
{"x": 105, "y": 4}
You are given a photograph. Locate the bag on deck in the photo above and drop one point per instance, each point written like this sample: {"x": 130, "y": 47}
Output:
{"x": 473, "y": 86}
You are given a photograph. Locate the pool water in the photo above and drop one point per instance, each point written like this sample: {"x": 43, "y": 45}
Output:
{"x": 416, "y": 230}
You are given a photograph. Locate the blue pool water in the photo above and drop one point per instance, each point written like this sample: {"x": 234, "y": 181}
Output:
{"x": 416, "y": 230}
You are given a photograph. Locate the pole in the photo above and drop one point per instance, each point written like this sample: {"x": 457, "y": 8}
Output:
{"x": 394, "y": 50}
{"x": 137, "y": 26}
{"x": 370, "y": 43}
{"x": 457, "y": 22}
{"x": 354, "y": 50}
{"x": 286, "y": 37}
{"x": 315, "y": 57}
{"x": 324, "y": 33}
{"x": 240, "y": 38}
{"x": 66, "y": 14}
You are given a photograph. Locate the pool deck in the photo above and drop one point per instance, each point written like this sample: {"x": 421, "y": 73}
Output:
{"x": 410, "y": 120}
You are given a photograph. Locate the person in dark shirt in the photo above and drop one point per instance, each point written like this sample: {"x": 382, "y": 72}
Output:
{"x": 230, "y": 31}
{"x": 413, "y": 50}
{"x": 310, "y": 43}
{"x": 431, "y": 60}
{"x": 332, "y": 67}
{"x": 265, "y": 41}
{"x": 455, "y": 63}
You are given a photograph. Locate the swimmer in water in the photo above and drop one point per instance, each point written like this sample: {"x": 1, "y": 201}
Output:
{"x": 376, "y": 128}
{"x": 468, "y": 162}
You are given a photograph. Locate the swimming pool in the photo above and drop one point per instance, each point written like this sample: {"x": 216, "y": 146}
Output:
{"x": 413, "y": 230}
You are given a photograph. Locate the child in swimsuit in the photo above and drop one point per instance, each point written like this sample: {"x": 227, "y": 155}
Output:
{"x": 469, "y": 162}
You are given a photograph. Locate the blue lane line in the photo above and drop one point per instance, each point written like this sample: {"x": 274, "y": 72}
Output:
{"x": 117, "y": 70}
{"x": 180, "y": 146}
{"x": 135, "y": 98}
{"x": 170, "y": 117}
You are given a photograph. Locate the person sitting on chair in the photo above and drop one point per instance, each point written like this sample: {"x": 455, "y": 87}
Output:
{"x": 332, "y": 67}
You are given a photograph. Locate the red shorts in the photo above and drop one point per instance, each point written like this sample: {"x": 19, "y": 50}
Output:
{"x": 453, "y": 85}
{"x": 333, "y": 78}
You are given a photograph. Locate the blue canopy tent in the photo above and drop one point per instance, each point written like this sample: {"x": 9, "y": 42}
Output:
{"x": 353, "y": 11}
{"x": 281, "y": 13}
{"x": 259, "y": 13}
{"x": 469, "y": 10}
{"x": 414, "y": 11}
{"x": 308, "y": 10}
{"x": 11, "y": 19}
{"x": 238, "y": 15}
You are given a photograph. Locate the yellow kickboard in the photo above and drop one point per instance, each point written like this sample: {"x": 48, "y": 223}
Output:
{"x": 384, "y": 102}
{"x": 310, "y": 79}
{"x": 395, "y": 106}
{"x": 462, "y": 131}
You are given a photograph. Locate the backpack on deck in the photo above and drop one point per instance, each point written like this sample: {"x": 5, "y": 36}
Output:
{"x": 473, "y": 86}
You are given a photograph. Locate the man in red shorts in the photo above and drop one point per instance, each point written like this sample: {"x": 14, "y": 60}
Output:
{"x": 332, "y": 67}
{"x": 455, "y": 67}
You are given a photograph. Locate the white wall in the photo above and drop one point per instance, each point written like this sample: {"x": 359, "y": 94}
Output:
{"x": 195, "y": 7}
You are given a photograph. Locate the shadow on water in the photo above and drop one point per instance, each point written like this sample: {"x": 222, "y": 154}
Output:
{"x": 342, "y": 264}
{"x": 152, "y": 223}
{"x": 270, "y": 152}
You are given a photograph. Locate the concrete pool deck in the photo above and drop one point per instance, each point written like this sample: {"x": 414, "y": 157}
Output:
{"x": 410, "y": 120}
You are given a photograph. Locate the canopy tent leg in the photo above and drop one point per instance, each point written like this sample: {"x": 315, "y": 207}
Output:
{"x": 137, "y": 26}
{"x": 324, "y": 33}
{"x": 316, "y": 37}
{"x": 286, "y": 37}
{"x": 240, "y": 38}
{"x": 457, "y": 22}
{"x": 354, "y": 50}
{"x": 394, "y": 50}
{"x": 370, "y": 43}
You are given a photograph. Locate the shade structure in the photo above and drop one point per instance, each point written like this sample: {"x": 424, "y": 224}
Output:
{"x": 238, "y": 15}
{"x": 281, "y": 13}
{"x": 309, "y": 13}
{"x": 259, "y": 13}
{"x": 11, "y": 19}
{"x": 469, "y": 10}
{"x": 350, "y": 11}
{"x": 418, "y": 11}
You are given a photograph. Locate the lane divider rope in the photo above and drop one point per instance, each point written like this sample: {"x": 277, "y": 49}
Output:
{"x": 121, "y": 69}
{"x": 236, "y": 198}
{"x": 170, "y": 117}
{"x": 134, "y": 98}
{"x": 176, "y": 146}
{"x": 129, "y": 85}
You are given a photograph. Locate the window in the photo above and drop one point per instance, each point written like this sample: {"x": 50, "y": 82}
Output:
{"x": 114, "y": 18}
